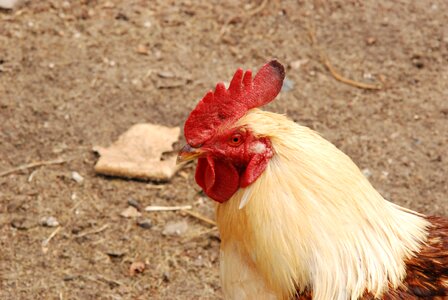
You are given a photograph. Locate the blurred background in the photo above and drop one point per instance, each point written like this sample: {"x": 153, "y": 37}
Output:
{"x": 75, "y": 74}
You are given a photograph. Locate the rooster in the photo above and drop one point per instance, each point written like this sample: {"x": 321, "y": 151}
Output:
{"x": 297, "y": 218}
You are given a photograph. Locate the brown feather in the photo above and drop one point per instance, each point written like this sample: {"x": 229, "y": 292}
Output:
{"x": 427, "y": 272}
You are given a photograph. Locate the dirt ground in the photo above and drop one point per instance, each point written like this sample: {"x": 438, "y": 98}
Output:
{"x": 74, "y": 74}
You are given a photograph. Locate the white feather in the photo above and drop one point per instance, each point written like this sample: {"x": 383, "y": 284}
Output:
{"x": 245, "y": 198}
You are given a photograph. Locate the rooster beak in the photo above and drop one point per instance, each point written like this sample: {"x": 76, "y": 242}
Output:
{"x": 188, "y": 153}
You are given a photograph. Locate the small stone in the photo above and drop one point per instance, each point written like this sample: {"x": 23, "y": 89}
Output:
{"x": 8, "y": 4}
{"x": 298, "y": 63}
{"x": 121, "y": 16}
{"x": 199, "y": 261}
{"x": 142, "y": 49}
{"x": 130, "y": 212}
{"x": 417, "y": 61}
{"x": 23, "y": 223}
{"x": 288, "y": 85}
{"x": 366, "y": 172}
{"x": 69, "y": 277}
{"x": 116, "y": 253}
{"x": 166, "y": 276}
{"x": 368, "y": 76}
{"x": 77, "y": 177}
{"x": 134, "y": 203}
{"x": 136, "y": 268}
{"x": 108, "y": 4}
{"x": 394, "y": 135}
{"x": 444, "y": 111}
{"x": 370, "y": 41}
{"x": 77, "y": 229}
{"x": 175, "y": 228}
{"x": 144, "y": 223}
{"x": 49, "y": 222}
{"x": 166, "y": 74}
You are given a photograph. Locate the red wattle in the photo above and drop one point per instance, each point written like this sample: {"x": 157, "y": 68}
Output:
{"x": 256, "y": 166}
{"x": 218, "y": 178}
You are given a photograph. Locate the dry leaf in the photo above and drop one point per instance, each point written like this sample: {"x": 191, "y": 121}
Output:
{"x": 136, "y": 267}
{"x": 138, "y": 153}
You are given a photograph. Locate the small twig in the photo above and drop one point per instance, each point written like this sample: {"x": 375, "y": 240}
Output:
{"x": 257, "y": 9}
{"x": 247, "y": 15}
{"x": 345, "y": 80}
{"x": 200, "y": 217}
{"x": 108, "y": 280}
{"x": 102, "y": 228}
{"x": 155, "y": 186}
{"x": 30, "y": 178}
{"x": 52, "y": 235}
{"x": 326, "y": 62}
{"x": 101, "y": 279}
{"x": 33, "y": 165}
{"x": 167, "y": 208}
{"x": 76, "y": 205}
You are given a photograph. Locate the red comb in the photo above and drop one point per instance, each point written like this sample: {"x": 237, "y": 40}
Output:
{"x": 228, "y": 105}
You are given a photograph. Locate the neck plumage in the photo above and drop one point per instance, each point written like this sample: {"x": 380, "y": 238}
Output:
{"x": 313, "y": 221}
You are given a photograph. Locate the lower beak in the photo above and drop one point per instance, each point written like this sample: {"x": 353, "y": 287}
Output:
{"x": 188, "y": 153}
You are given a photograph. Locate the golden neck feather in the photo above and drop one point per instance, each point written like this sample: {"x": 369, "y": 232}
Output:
{"x": 312, "y": 220}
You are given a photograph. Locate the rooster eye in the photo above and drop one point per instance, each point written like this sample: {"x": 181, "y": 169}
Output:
{"x": 236, "y": 139}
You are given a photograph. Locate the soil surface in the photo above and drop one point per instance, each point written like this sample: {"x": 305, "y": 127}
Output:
{"x": 75, "y": 74}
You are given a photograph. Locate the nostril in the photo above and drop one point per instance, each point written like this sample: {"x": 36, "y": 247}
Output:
{"x": 187, "y": 148}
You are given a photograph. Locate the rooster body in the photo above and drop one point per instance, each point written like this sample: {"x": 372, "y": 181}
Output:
{"x": 297, "y": 218}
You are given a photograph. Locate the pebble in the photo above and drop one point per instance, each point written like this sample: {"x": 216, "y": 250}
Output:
{"x": 175, "y": 228}
{"x": 77, "y": 177}
{"x": 367, "y": 173}
{"x": 142, "y": 49}
{"x": 23, "y": 223}
{"x": 166, "y": 276}
{"x": 134, "y": 203}
{"x": 130, "y": 212}
{"x": 288, "y": 85}
{"x": 371, "y": 41}
{"x": 49, "y": 222}
{"x": 116, "y": 253}
{"x": 166, "y": 74}
{"x": 417, "y": 61}
{"x": 136, "y": 268}
{"x": 144, "y": 223}
{"x": 8, "y": 4}
{"x": 298, "y": 63}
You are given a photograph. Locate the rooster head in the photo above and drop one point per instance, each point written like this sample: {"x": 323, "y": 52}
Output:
{"x": 231, "y": 156}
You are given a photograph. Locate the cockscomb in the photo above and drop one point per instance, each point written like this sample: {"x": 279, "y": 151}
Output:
{"x": 224, "y": 106}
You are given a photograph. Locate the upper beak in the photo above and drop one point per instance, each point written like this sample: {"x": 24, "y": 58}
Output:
{"x": 188, "y": 153}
